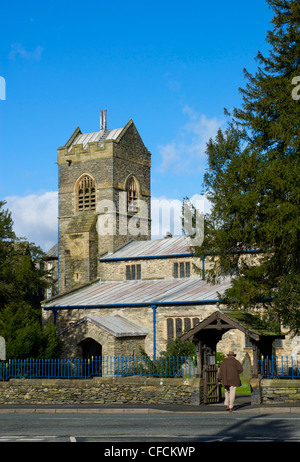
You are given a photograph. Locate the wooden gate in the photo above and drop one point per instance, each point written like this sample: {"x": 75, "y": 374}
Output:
{"x": 211, "y": 389}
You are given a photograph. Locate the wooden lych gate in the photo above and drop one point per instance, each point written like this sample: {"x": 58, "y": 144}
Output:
{"x": 209, "y": 332}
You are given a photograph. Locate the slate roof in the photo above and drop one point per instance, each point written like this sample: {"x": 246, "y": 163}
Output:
{"x": 100, "y": 136}
{"x": 53, "y": 252}
{"x": 141, "y": 292}
{"x": 170, "y": 246}
{"x": 115, "y": 325}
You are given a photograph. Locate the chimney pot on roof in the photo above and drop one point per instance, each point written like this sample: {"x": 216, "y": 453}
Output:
{"x": 105, "y": 119}
{"x": 101, "y": 120}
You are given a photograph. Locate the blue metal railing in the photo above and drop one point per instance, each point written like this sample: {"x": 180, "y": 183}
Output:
{"x": 182, "y": 366}
{"x": 280, "y": 367}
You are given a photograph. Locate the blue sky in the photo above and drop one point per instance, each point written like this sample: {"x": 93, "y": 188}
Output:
{"x": 170, "y": 66}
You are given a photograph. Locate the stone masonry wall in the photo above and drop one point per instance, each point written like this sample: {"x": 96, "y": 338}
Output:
{"x": 280, "y": 391}
{"x": 133, "y": 390}
{"x": 275, "y": 391}
{"x": 143, "y": 316}
{"x": 162, "y": 268}
{"x": 100, "y": 390}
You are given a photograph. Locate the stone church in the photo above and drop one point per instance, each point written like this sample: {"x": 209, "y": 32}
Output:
{"x": 118, "y": 291}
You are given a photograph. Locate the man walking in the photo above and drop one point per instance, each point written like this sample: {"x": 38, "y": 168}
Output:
{"x": 229, "y": 371}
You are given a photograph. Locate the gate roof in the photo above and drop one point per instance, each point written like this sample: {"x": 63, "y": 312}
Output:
{"x": 250, "y": 324}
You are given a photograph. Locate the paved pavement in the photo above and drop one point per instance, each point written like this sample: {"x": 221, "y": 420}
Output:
{"x": 242, "y": 405}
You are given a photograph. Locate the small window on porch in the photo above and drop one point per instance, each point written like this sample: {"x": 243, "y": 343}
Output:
{"x": 277, "y": 343}
{"x": 248, "y": 344}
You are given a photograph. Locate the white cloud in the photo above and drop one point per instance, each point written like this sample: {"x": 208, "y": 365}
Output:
{"x": 35, "y": 217}
{"x": 170, "y": 157}
{"x": 166, "y": 217}
{"x": 186, "y": 153}
{"x": 18, "y": 50}
{"x": 166, "y": 214}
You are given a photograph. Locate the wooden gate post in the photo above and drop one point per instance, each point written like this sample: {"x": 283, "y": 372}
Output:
{"x": 256, "y": 358}
{"x": 199, "y": 359}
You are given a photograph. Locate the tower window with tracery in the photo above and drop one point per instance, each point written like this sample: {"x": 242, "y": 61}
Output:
{"x": 86, "y": 194}
{"x": 132, "y": 195}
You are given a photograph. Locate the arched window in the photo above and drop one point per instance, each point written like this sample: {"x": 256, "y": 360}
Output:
{"x": 170, "y": 330}
{"x": 132, "y": 190}
{"x": 187, "y": 324}
{"x": 178, "y": 327}
{"x": 86, "y": 194}
{"x": 196, "y": 322}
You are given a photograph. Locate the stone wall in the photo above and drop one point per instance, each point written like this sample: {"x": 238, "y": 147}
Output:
{"x": 275, "y": 391}
{"x": 133, "y": 390}
{"x": 280, "y": 391}
{"x": 143, "y": 316}
{"x": 158, "y": 268}
{"x": 100, "y": 390}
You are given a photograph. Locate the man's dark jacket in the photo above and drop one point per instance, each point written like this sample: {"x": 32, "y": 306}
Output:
{"x": 229, "y": 371}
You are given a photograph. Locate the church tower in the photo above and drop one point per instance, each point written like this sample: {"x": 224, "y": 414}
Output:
{"x": 104, "y": 198}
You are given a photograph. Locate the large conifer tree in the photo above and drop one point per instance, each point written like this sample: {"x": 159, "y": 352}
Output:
{"x": 253, "y": 180}
{"x": 21, "y": 281}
